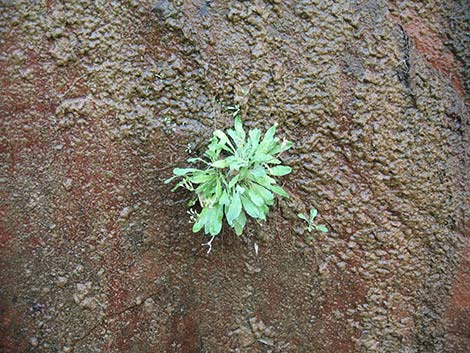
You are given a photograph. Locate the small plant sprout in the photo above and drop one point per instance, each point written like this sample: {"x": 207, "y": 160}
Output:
{"x": 235, "y": 109}
{"x": 236, "y": 178}
{"x": 311, "y": 225}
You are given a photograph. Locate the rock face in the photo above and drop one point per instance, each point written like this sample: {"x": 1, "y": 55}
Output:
{"x": 101, "y": 99}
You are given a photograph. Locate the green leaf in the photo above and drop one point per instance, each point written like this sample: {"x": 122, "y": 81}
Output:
{"x": 250, "y": 207}
{"x": 180, "y": 184}
{"x": 221, "y": 163}
{"x": 274, "y": 161}
{"x": 262, "y": 157}
{"x": 280, "y": 147}
{"x": 258, "y": 172}
{"x": 169, "y": 179}
{"x": 278, "y": 190}
{"x": 201, "y": 221}
{"x": 265, "y": 181}
{"x": 254, "y": 136}
{"x": 234, "y": 208}
{"x": 239, "y": 128}
{"x": 194, "y": 160}
{"x": 221, "y": 136}
{"x": 202, "y": 178}
{"x": 207, "y": 188}
{"x": 224, "y": 199}
{"x": 235, "y": 163}
{"x": 209, "y": 217}
{"x": 264, "y": 209}
{"x": 223, "y": 141}
{"x": 280, "y": 170}
{"x": 216, "y": 220}
{"x": 239, "y": 223}
{"x": 240, "y": 189}
{"x": 183, "y": 171}
{"x": 234, "y": 180}
{"x": 322, "y": 228}
{"x": 218, "y": 189}
{"x": 313, "y": 214}
{"x": 302, "y": 216}
{"x": 264, "y": 193}
{"x": 234, "y": 136}
{"x": 268, "y": 139}
{"x": 285, "y": 146}
{"x": 255, "y": 197}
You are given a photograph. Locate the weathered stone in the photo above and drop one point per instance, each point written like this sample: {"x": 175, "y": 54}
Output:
{"x": 102, "y": 99}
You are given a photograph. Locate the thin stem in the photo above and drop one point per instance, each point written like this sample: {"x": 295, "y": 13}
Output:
{"x": 209, "y": 244}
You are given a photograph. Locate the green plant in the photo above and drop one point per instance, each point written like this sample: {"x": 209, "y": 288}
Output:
{"x": 237, "y": 178}
{"x": 311, "y": 225}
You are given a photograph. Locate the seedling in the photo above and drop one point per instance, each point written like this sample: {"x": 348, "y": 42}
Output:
{"x": 238, "y": 178}
{"x": 235, "y": 109}
{"x": 311, "y": 225}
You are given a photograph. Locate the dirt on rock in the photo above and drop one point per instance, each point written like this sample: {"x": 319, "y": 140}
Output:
{"x": 100, "y": 100}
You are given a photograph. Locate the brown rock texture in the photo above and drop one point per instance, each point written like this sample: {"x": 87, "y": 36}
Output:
{"x": 100, "y": 100}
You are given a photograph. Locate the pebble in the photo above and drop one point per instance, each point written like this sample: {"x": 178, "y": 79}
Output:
{"x": 62, "y": 281}
{"x": 68, "y": 184}
{"x": 138, "y": 300}
{"x": 148, "y": 305}
{"x": 125, "y": 212}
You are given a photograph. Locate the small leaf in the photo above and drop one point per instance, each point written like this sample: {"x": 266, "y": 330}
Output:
{"x": 169, "y": 179}
{"x": 201, "y": 178}
{"x": 274, "y": 161}
{"x": 286, "y": 145}
{"x": 281, "y": 147}
{"x": 235, "y": 163}
{"x": 268, "y": 139}
{"x": 180, "y": 184}
{"x": 322, "y": 228}
{"x": 216, "y": 220}
{"x": 183, "y": 171}
{"x": 222, "y": 163}
{"x": 280, "y": 170}
{"x": 223, "y": 141}
{"x": 240, "y": 189}
{"x": 257, "y": 199}
{"x": 221, "y": 135}
{"x": 224, "y": 199}
{"x": 200, "y": 221}
{"x": 265, "y": 181}
{"x": 263, "y": 211}
{"x": 234, "y": 208}
{"x": 254, "y": 135}
{"x": 265, "y": 193}
{"x": 239, "y": 223}
{"x": 258, "y": 172}
{"x": 278, "y": 190}
{"x": 194, "y": 160}
{"x": 302, "y": 216}
{"x": 262, "y": 157}
{"x": 239, "y": 128}
{"x": 234, "y": 137}
{"x": 234, "y": 180}
{"x": 209, "y": 217}
{"x": 218, "y": 189}
{"x": 250, "y": 207}
{"x": 313, "y": 214}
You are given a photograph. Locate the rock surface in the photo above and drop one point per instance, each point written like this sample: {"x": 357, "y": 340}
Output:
{"x": 101, "y": 99}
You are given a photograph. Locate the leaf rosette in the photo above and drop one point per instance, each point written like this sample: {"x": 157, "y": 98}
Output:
{"x": 239, "y": 178}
